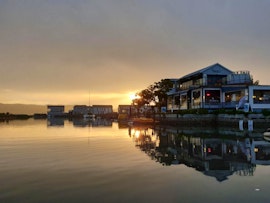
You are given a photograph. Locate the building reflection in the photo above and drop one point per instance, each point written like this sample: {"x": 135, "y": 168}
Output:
{"x": 58, "y": 122}
{"x": 211, "y": 155}
{"x": 92, "y": 123}
{"x": 55, "y": 122}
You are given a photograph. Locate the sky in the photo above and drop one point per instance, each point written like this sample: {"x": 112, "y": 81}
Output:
{"x": 101, "y": 51}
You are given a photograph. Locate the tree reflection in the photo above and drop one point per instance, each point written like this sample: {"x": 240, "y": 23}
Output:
{"x": 211, "y": 155}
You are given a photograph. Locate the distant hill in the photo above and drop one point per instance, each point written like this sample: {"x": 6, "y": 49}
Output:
{"x": 29, "y": 109}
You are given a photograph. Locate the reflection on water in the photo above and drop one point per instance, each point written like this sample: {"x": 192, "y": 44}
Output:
{"x": 79, "y": 122}
{"x": 105, "y": 161}
{"x": 212, "y": 156}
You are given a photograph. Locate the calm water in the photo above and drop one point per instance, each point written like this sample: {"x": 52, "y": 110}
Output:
{"x": 63, "y": 161}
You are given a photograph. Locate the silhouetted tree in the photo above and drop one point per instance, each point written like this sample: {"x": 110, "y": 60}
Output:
{"x": 145, "y": 97}
{"x": 156, "y": 93}
{"x": 160, "y": 91}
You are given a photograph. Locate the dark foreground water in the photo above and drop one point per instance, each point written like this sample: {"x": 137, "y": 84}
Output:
{"x": 63, "y": 161}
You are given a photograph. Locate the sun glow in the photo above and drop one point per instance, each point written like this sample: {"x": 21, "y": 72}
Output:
{"x": 10, "y": 96}
{"x": 133, "y": 96}
{"x": 136, "y": 133}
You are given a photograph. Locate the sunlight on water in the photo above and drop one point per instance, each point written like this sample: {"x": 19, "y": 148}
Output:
{"x": 106, "y": 162}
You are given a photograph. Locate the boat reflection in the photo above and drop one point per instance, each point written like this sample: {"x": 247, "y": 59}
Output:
{"x": 92, "y": 123}
{"x": 218, "y": 157}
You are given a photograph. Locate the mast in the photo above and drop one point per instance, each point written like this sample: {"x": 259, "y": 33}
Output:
{"x": 89, "y": 102}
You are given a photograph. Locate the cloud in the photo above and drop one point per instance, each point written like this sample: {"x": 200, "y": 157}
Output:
{"x": 118, "y": 46}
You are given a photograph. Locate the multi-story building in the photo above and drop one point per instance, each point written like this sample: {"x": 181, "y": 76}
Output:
{"x": 55, "y": 111}
{"x": 216, "y": 87}
{"x": 80, "y": 110}
{"x": 102, "y": 109}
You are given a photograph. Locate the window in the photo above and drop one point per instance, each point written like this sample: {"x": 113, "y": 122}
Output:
{"x": 196, "y": 96}
{"x": 214, "y": 80}
{"x": 212, "y": 96}
{"x": 186, "y": 85}
{"x": 261, "y": 97}
{"x": 198, "y": 82}
{"x": 177, "y": 100}
{"x": 233, "y": 96}
{"x": 183, "y": 100}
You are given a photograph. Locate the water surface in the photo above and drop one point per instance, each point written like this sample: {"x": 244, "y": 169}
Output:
{"x": 64, "y": 161}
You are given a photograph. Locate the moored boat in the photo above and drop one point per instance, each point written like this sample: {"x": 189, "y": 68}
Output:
{"x": 143, "y": 121}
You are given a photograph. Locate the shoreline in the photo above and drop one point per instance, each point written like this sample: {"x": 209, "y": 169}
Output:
{"x": 184, "y": 120}
{"x": 240, "y": 122}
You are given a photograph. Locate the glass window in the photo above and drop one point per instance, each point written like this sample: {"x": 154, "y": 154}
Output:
{"x": 212, "y": 96}
{"x": 198, "y": 82}
{"x": 261, "y": 97}
{"x": 196, "y": 95}
{"x": 177, "y": 100}
{"x": 233, "y": 96}
{"x": 183, "y": 100}
{"x": 170, "y": 99}
{"x": 214, "y": 80}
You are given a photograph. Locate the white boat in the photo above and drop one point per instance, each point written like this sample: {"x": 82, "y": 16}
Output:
{"x": 266, "y": 134}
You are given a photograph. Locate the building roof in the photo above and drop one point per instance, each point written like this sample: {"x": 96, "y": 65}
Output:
{"x": 215, "y": 69}
{"x": 79, "y": 106}
{"x": 230, "y": 88}
{"x": 173, "y": 79}
{"x": 102, "y": 106}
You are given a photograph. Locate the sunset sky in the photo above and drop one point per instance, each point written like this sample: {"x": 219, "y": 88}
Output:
{"x": 62, "y": 51}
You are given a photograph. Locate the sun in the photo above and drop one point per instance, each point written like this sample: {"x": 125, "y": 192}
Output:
{"x": 133, "y": 96}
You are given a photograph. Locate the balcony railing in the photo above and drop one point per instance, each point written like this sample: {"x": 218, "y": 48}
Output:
{"x": 206, "y": 105}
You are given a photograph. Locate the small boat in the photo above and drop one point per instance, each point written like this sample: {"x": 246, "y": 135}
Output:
{"x": 143, "y": 121}
{"x": 266, "y": 134}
